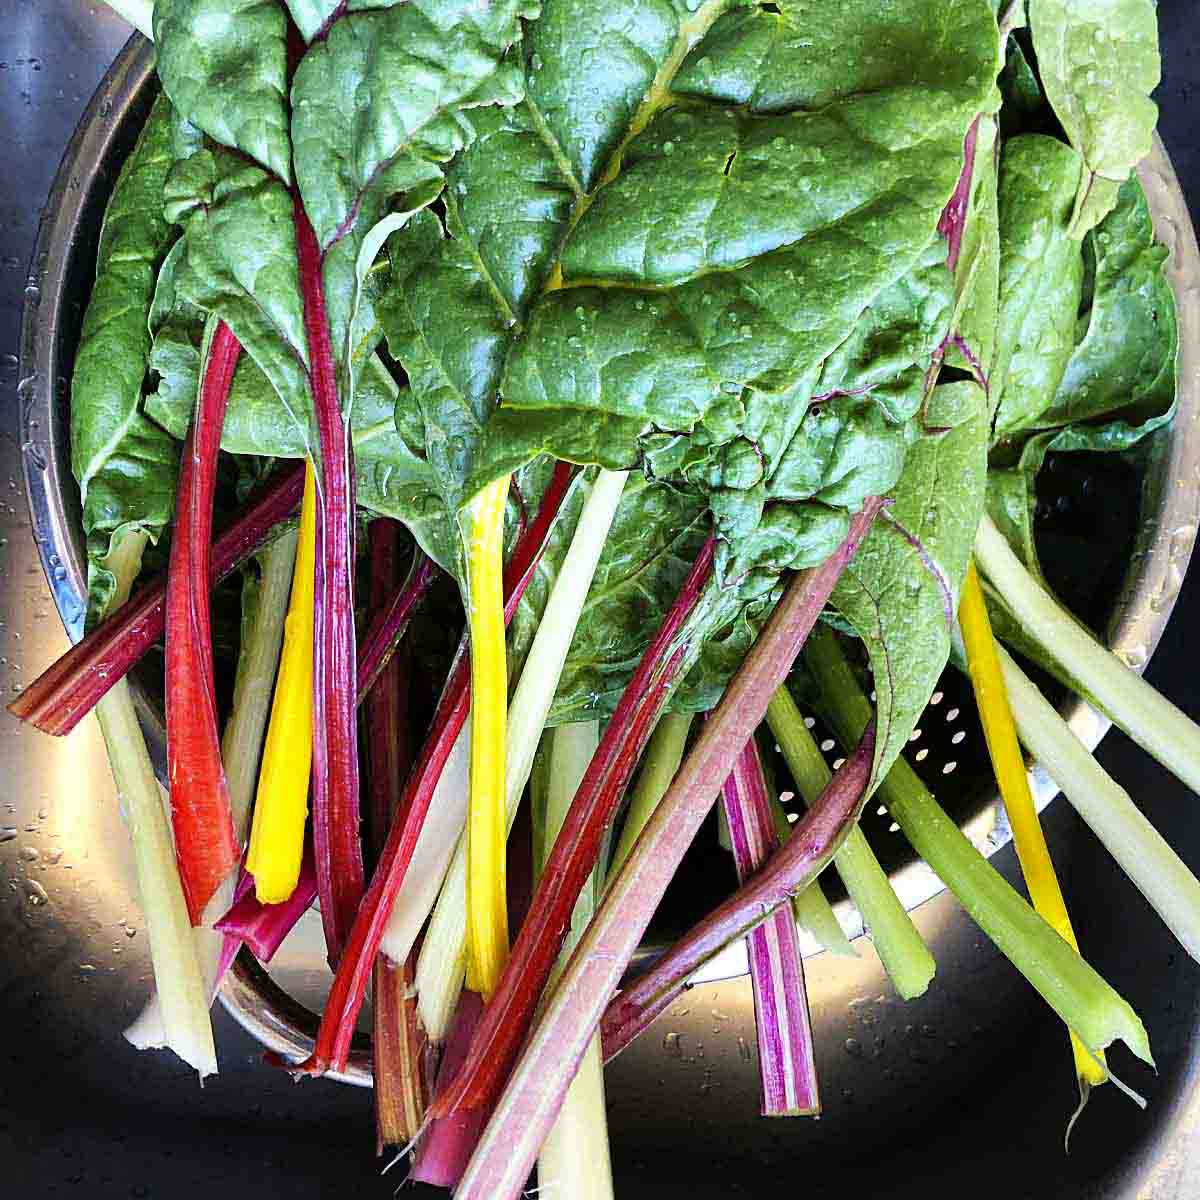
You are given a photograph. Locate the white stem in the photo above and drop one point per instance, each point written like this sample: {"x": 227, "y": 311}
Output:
{"x": 183, "y": 1021}
{"x": 241, "y": 749}
{"x": 1140, "y": 850}
{"x": 574, "y": 1162}
{"x": 432, "y": 853}
{"x": 139, "y": 14}
{"x": 439, "y": 971}
{"x": 1120, "y": 693}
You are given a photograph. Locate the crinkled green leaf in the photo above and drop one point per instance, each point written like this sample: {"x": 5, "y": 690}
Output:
{"x": 508, "y": 201}
{"x": 1041, "y": 269}
{"x": 223, "y": 63}
{"x": 125, "y": 465}
{"x": 240, "y": 263}
{"x": 739, "y": 266}
{"x": 311, "y": 16}
{"x": 1099, "y": 64}
{"x": 900, "y": 592}
{"x": 1125, "y": 360}
{"x": 412, "y": 69}
{"x": 977, "y": 271}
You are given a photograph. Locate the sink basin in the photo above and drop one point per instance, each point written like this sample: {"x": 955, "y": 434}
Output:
{"x": 920, "y": 1099}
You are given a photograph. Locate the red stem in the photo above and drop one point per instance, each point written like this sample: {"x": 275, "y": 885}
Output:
{"x": 68, "y": 689}
{"x": 206, "y": 843}
{"x": 573, "y": 857}
{"x": 335, "y": 795}
{"x": 334, "y": 1037}
{"x": 391, "y": 618}
{"x": 398, "y": 1038}
{"x": 264, "y": 926}
{"x": 796, "y": 863}
{"x": 446, "y": 1148}
{"x": 786, "y": 1061}
{"x": 526, "y": 1112}
{"x": 954, "y": 216}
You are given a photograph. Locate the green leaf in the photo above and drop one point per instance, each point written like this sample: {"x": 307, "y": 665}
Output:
{"x": 311, "y": 16}
{"x": 654, "y": 539}
{"x": 240, "y": 263}
{"x": 223, "y": 63}
{"x": 738, "y": 267}
{"x": 507, "y": 199}
{"x": 1099, "y": 64}
{"x": 1125, "y": 360}
{"x": 900, "y": 592}
{"x": 412, "y": 70}
{"x": 1041, "y": 270}
{"x": 977, "y": 271}
{"x": 126, "y": 466}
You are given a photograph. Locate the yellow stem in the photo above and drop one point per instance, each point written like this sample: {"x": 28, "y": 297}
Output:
{"x": 281, "y": 804}
{"x": 487, "y": 823}
{"x": 1000, "y": 731}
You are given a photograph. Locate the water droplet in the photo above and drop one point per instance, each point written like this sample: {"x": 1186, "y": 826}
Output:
{"x": 130, "y": 932}
{"x": 668, "y": 148}
{"x": 536, "y": 62}
{"x": 7, "y": 833}
{"x": 29, "y": 854}
{"x": 673, "y": 1045}
{"x": 36, "y": 893}
{"x": 718, "y": 1015}
{"x": 743, "y": 1049}
{"x": 52, "y": 857}
{"x": 853, "y": 1047}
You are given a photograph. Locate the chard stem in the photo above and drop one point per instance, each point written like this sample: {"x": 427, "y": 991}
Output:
{"x": 1140, "y": 850}
{"x": 206, "y": 842}
{"x": 575, "y": 1159}
{"x": 662, "y": 759}
{"x": 182, "y": 999}
{"x": 905, "y": 957}
{"x": 438, "y": 972}
{"x": 1075, "y": 991}
{"x": 1095, "y": 673}
{"x": 281, "y": 807}
{"x": 487, "y": 909}
{"x": 1008, "y": 765}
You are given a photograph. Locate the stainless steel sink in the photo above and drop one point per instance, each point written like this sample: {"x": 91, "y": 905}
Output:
{"x": 970, "y": 1084}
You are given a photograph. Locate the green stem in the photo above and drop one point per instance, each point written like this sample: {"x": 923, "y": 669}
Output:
{"x": 663, "y": 756}
{"x": 1069, "y": 985}
{"x": 905, "y": 957}
{"x": 1095, "y": 672}
{"x": 1140, "y": 850}
{"x": 182, "y": 996}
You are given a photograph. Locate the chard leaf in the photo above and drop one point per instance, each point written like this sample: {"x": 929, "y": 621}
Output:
{"x": 240, "y": 263}
{"x": 977, "y": 269}
{"x": 125, "y": 465}
{"x": 412, "y": 70}
{"x": 1041, "y": 271}
{"x": 900, "y": 592}
{"x": 223, "y": 63}
{"x": 1125, "y": 360}
{"x": 699, "y": 317}
{"x": 1099, "y": 63}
